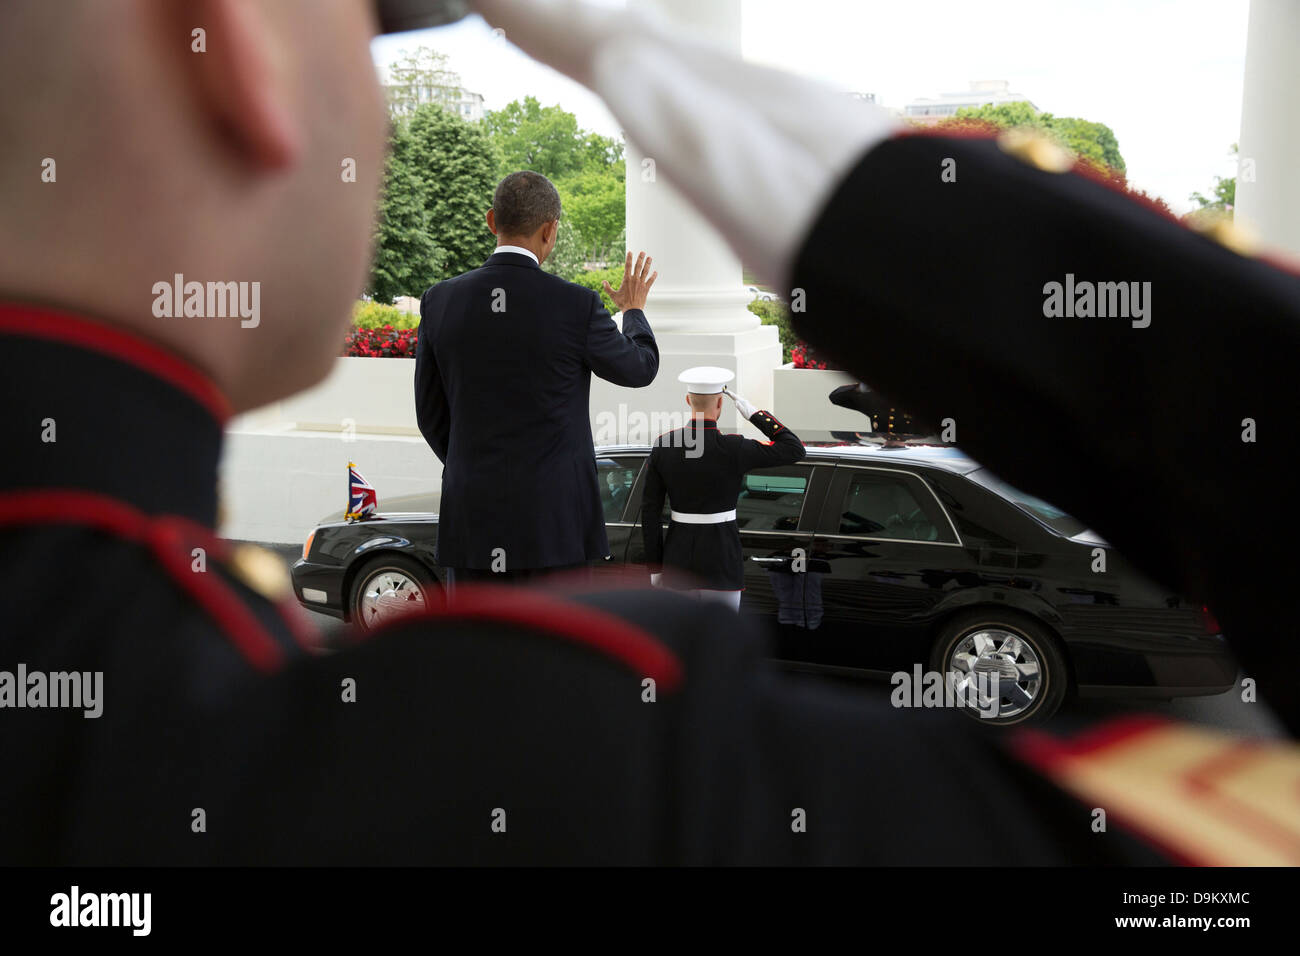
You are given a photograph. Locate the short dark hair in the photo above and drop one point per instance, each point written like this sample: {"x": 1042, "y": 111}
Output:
{"x": 523, "y": 202}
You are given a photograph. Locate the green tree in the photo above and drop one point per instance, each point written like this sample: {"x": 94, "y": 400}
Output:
{"x": 1090, "y": 140}
{"x": 601, "y": 151}
{"x": 569, "y": 257}
{"x": 546, "y": 139}
{"x": 1223, "y": 197}
{"x": 595, "y": 202}
{"x": 586, "y": 168}
{"x": 407, "y": 259}
{"x": 595, "y": 279}
{"x": 1095, "y": 141}
{"x": 455, "y": 160}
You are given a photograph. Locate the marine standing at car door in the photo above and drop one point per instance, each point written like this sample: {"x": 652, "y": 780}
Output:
{"x": 699, "y": 470}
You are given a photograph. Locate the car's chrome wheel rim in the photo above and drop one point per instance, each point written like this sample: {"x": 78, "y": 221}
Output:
{"x": 387, "y": 595}
{"x": 995, "y": 650}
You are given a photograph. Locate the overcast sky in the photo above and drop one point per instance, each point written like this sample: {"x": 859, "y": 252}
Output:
{"x": 1165, "y": 75}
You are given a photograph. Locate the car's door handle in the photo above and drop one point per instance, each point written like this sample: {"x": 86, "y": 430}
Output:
{"x": 769, "y": 560}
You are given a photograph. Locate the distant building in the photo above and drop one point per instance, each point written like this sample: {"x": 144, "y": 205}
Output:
{"x": 449, "y": 94}
{"x": 874, "y": 100}
{"x": 468, "y": 105}
{"x": 981, "y": 93}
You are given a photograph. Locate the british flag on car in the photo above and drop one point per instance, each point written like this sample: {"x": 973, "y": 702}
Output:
{"x": 362, "y": 499}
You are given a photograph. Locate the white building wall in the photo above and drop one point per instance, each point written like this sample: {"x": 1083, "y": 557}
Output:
{"x": 285, "y": 466}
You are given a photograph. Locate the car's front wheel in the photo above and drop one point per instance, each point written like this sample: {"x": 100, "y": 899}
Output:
{"x": 388, "y": 587}
{"x": 1005, "y": 667}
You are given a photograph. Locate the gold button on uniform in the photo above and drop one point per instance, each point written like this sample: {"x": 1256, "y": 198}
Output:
{"x": 1037, "y": 150}
{"x": 1226, "y": 233}
{"x": 260, "y": 570}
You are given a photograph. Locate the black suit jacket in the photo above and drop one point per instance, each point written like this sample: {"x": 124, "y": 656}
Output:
{"x": 502, "y": 378}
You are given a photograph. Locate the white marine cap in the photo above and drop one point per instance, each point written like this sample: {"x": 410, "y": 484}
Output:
{"x": 706, "y": 379}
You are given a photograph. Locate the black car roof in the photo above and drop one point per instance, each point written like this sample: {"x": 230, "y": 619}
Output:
{"x": 860, "y": 448}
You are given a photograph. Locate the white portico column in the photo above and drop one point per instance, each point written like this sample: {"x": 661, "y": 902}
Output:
{"x": 700, "y": 285}
{"x": 698, "y": 305}
{"x": 1268, "y": 176}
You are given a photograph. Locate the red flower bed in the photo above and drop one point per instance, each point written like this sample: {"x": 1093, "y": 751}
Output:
{"x": 386, "y": 342}
{"x": 803, "y": 357}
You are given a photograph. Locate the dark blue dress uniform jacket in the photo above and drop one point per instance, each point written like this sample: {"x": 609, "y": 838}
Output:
{"x": 700, "y": 471}
{"x": 502, "y": 379}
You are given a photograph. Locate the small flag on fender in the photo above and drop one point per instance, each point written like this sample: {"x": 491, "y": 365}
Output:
{"x": 362, "y": 499}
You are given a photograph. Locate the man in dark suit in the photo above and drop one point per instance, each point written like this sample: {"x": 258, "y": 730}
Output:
{"x": 502, "y": 381}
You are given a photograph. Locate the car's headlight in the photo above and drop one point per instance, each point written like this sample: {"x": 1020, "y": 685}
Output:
{"x": 306, "y": 548}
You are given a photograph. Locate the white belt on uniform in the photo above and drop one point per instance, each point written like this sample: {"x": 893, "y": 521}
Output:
{"x": 718, "y": 517}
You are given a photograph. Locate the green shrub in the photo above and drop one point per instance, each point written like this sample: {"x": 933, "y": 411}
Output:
{"x": 375, "y": 315}
{"x": 774, "y": 313}
{"x": 594, "y": 280}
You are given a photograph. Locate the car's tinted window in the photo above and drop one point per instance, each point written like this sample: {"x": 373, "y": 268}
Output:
{"x": 614, "y": 477}
{"x": 771, "y": 499}
{"x": 1049, "y": 514}
{"x": 885, "y": 505}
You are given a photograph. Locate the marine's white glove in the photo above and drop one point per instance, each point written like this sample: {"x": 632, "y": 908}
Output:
{"x": 742, "y": 406}
{"x": 655, "y": 578}
{"x": 755, "y": 149}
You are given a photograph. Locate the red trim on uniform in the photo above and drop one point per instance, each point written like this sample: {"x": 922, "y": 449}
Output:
{"x": 1116, "y": 182}
{"x": 975, "y": 129}
{"x": 1280, "y": 261}
{"x": 43, "y": 323}
{"x": 1047, "y": 752}
{"x": 170, "y": 539}
{"x": 300, "y": 626}
{"x": 289, "y": 611}
{"x": 707, "y": 422}
{"x": 608, "y": 634}
{"x": 1201, "y": 779}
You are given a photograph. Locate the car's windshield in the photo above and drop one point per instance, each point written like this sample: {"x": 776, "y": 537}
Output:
{"x": 1050, "y": 515}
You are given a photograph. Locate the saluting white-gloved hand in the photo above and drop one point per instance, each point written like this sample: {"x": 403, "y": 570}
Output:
{"x": 655, "y": 578}
{"x": 744, "y": 407}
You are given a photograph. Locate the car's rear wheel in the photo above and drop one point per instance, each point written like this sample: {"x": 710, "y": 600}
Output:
{"x": 388, "y": 587}
{"x": 1032, "y": 676}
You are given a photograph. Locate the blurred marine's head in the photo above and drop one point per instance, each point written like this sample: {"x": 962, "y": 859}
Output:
{"x": 220, "y": 141}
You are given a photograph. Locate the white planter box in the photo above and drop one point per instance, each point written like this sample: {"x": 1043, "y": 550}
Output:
{"x": 801, "y": 400}
{"x": 373, "y": 395}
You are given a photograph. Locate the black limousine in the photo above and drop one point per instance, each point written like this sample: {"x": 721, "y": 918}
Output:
{"x": 865, "y": 557}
